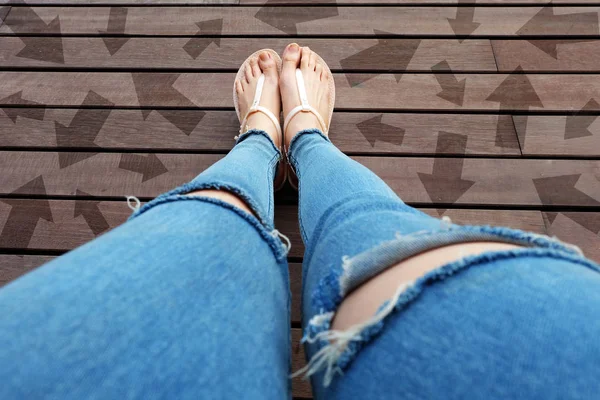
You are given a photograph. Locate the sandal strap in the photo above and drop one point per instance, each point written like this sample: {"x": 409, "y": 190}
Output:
{"x": 258, "y": 108}
{"x": 304, "y": 106}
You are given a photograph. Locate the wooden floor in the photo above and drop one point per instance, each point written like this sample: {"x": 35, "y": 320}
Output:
{"x": 487, "y": 113}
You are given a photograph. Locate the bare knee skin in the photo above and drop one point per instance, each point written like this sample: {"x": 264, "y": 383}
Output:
{"x": 364, "y": 301}
{"x": 224, "y": 196}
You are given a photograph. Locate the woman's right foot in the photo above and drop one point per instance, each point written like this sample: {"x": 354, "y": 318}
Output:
{"x": 316, "y": 81}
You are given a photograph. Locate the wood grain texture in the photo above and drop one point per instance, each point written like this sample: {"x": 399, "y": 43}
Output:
{"x": 581, "y": 229}
{"x": 386, "y": 55}
{"x": 465, "y": 92}
{"x": 197, "y": 130}
{"x": 547, "y": 55}
{"x": 410, "y": 20}
{"x": 443, "y": 181}
{"x": 3, "y": 13}
{"x": 563, "y": 135}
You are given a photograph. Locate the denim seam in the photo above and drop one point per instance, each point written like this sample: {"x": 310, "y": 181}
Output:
{"x": 302, "y": 133}
{"x": 259, "y": 132}
{"x": 339, "y": 349}
{"x": 272, "y": 164}
{"x": 273, "y": 242}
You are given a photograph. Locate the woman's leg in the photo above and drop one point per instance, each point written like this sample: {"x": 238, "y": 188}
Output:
{"x": 189, "y": 299}
{"x": 397, "y": 304}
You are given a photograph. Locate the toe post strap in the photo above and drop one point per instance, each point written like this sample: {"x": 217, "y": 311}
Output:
{"x": 304, "y": 105}
{"x": 256, "y": 107}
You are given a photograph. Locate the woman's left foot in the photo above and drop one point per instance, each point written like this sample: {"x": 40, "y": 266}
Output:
{"x": 270, "y": 98}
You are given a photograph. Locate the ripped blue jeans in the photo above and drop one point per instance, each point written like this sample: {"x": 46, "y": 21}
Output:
{"x": 190, "y": 299}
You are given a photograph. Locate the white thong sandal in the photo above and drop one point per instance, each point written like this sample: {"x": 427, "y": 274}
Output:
{"x": 306, "y": 107}
{"x": 256, "y": 107}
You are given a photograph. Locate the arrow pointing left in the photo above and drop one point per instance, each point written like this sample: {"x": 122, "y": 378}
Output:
{"x": 36, "y": 113}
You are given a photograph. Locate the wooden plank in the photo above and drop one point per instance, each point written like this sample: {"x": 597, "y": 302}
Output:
{"x": 581, "y": 229}
{"x": 3, "y": 13}
{"x": 563, "y": 135}
{"x": 442, "y": 181}
{"x": 287, "y": 2}
{"x": 410, "y": 20}
{"x": 385, "y": 55}
{"x": 138, "y": 2}
{"x": 548, "y": 55}
{"x": 437, "y": 92}
{"x": 197, "y": 130}
{"x": 13, "y": 266}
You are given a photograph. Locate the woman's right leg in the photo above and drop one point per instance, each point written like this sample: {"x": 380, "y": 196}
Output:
{"x": 409, "y": 306}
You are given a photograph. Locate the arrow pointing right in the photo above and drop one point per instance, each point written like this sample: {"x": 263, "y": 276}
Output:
{"x": 196, "y": 45}
{"x": 149, "y": 166}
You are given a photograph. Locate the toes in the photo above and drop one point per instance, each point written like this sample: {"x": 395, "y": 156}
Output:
{"x": 319, "y": 70}
{"x": 248, "y": 73}
{"x": 291, "y": 57}
{"x": 306, "y": 52}
{"x": 254, "y": 68}
{"x": 238, "y": 87}
{"x": 312, "y": 61}
{"x": 267, "y": 64}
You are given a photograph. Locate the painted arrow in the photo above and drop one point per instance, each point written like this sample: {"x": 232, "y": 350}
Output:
{"x": 444, "y": 184}
{"x": 185, "y": 120}
{"x": 374, "y": 130}
{"x": 590, "y": 221}
{"x": 149, "y": 166}
{"x": 83, "y": 129}
{"x": 516, "y": 91}
{"x": 545, "y": 18}
{"x": 453, "y": 90}
{"x": 36, "y": 113}
{"x": 117, "y": 19}
{"x": 560, "y": 190}
{"x": 91, "y": 213}
{"x": 550, "y": 47}
{"x": 392, "y": 53}
{"x": 22, "y": 20}
{"x": 23, "y": 218}
{"x": 286, "y": 18}
{"x": 577, "y": 125}
{"x": 196, "y": 45}
{"x": 463, "y": 24}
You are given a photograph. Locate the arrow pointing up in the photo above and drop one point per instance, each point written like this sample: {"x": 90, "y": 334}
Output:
{"x": 578, "y": 125}
{"x": 286, "y": 18}
{"x": 23, "y": 20}
{"x": 196, "y": 45}
{"x": 560, "y": 190}
{"x": 17, "y": 98}
{"x": 149, "y": 166}
{"x": 444, "y": 184}
{"x": 515, "y": 92}
{"x": 453, "y": 90}
{"x": 117, "y": 19}
{"x": 82, "y": 132}
{"x": 585, "y": 23}
{"x": 24, "y": 216}
{"x": 91, "y": 213}
{"x": 374, "y": 130}
{"x": 463, "y": 24}
{"x": 391, "y": 53}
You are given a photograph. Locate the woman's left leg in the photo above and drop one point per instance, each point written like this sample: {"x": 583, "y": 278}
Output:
{"x": 189, "y": 299}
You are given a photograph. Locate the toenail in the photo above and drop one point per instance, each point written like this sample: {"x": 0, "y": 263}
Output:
{"x": 293, "y": 48}
{"x": 264, "y": 56}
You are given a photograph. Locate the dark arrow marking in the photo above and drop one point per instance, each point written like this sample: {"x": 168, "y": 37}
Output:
{"x": 560, "y": 190}
{"x": 546, "y": 19}
{"x": 393, "y": 53}
{"x": 116, "y": 25}
{"x": 185, "y": 120}
{"x": 463, "y": 24}
{"x": 3, "y": 12}
{"x": 37, "y": 113}
{"x": 149, "y": 166}
{"x": 196, "y": 45}
{"x": 590, "y": 221}
{"x": 374, "y": 130}
{"x": 453, "y": 90}
{"x": 23, "y": 20}
{"x": 516, "y": 91}
{"x": 83, "y": 129}
{"x": 91, "y": 213}
{"x": 286, "y": 18}
{"x": 577, "y": 125}
{"x": 444, "y": 184}
{"x": 23, "y": 218}
{"x": 550, "y": 47}
{"x": 151, "y": 86}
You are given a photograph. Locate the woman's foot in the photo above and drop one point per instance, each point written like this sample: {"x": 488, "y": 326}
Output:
{"x": 316, "y": 81}
{"x": 246, "y": 88}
